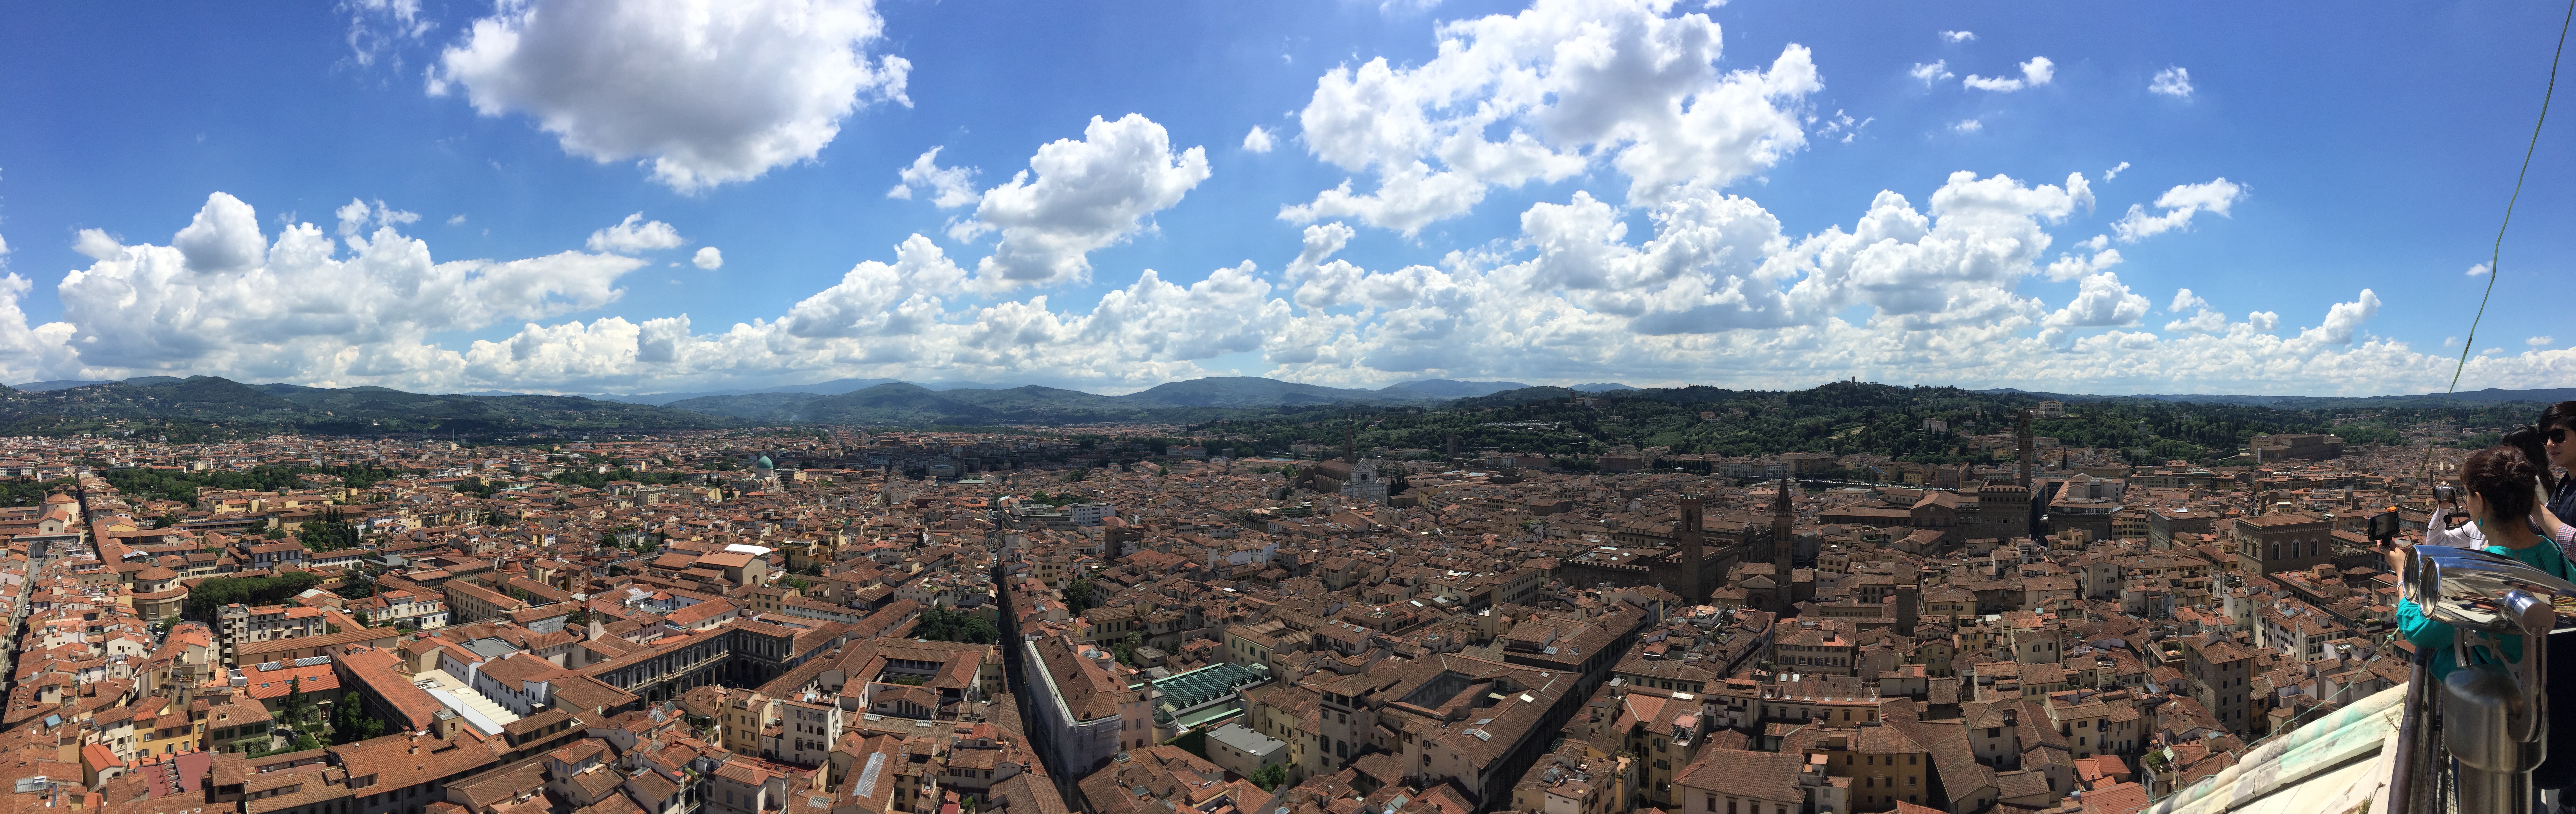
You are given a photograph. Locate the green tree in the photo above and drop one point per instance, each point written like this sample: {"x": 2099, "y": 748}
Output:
{"x": 295, "y": 706}
{"x": 327, "y": 532}
{"x": 944, "y": 625}
{"x": 1125, "y": 649}
{"x": 1270, "y": 776}
{"x": 350, "y": 723}
{"x": 211, "y": 595}
{"x": 1077, "y": 596}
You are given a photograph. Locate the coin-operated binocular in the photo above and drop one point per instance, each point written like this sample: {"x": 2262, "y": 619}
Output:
{"x": 2495, "y": 716}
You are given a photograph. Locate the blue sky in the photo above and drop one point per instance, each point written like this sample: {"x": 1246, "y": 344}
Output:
{"x": 1758, "y": 194}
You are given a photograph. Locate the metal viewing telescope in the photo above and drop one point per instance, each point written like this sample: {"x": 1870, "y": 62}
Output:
{"x": 2492, "y": 711}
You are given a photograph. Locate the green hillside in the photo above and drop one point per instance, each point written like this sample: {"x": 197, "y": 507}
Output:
{"x": 201, "y": 407}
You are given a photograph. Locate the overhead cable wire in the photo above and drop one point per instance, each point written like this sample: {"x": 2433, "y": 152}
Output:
{"x": 2495, "y": 257}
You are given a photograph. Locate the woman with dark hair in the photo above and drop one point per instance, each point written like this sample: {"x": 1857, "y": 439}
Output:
{"x": 2499, "y": 487}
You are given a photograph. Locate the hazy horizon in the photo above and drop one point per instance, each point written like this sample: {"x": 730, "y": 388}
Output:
{"x": 1125, "y": 391}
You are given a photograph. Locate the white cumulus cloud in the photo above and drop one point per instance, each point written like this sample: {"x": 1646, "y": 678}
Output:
{"x": 1257, "y": 141}
{"x": 1931, "y": 72}
{"x": 2343, "y": 320}
{"x": 1958, "y": 36}
{"x": 2114, "y": 172}
{"x": 2100, "y": 301}
{"x": 708, "y": 91}
{"x": 1085, "y": 195}
{"x": 2479, "y": 270}
{"x": 1706, "y": 288}
{"x": 1967, "y": 126}
{"x": 2174, "y": 82}
{"x": 2069, "y": 267}
{"x": 708, "y": 258}
{"x": 634, "y": 235}
{"x": 2184, "y": 300}
{"x": 2179, "y": 204}
{"x": 2034, "y": 73}
{"x": 1538, "y": 96}
{"x": 949, "y": 187}
{"x": 224, "y": 298}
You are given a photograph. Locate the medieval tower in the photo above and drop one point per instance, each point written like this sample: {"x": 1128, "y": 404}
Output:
{"x": 1784, "y": 544}
{"x": 2022, "y": 450}
{"x": 1687, "y": 533}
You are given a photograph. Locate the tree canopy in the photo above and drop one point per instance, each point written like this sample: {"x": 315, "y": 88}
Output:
{"x": 211, "y": 595}
{"x": 328, "y": 532}
{"x": 944, "y": 625}
{"x": 1841, "y": 418}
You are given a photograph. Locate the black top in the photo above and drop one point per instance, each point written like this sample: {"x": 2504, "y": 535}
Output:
{"x": 2563, "y": 502}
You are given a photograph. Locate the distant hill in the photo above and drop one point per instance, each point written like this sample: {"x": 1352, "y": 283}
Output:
{"x": 1691, "y": 425}
{"x": 905, "y": 403}
{"x": 1450, "y": 388}
{"x": 1253, "y": 391}
{"x": 195, "y": 406}
{"x": 1524, "y": 395}
{"x": 202, "y": 405}
{"x": 831, "y": 388}
{"x": 2487, "y": 396}
{"x": 57, "y": 384}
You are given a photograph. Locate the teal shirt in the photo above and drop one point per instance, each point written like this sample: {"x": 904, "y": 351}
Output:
{"x": 2435, "y": 637}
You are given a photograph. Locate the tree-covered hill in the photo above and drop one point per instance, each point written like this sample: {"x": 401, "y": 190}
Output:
{"x": 202, "y": 407}
{"x": 1840, "y": 418}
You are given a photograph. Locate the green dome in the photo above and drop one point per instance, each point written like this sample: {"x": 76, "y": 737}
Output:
{"x": 764, "y": 463}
